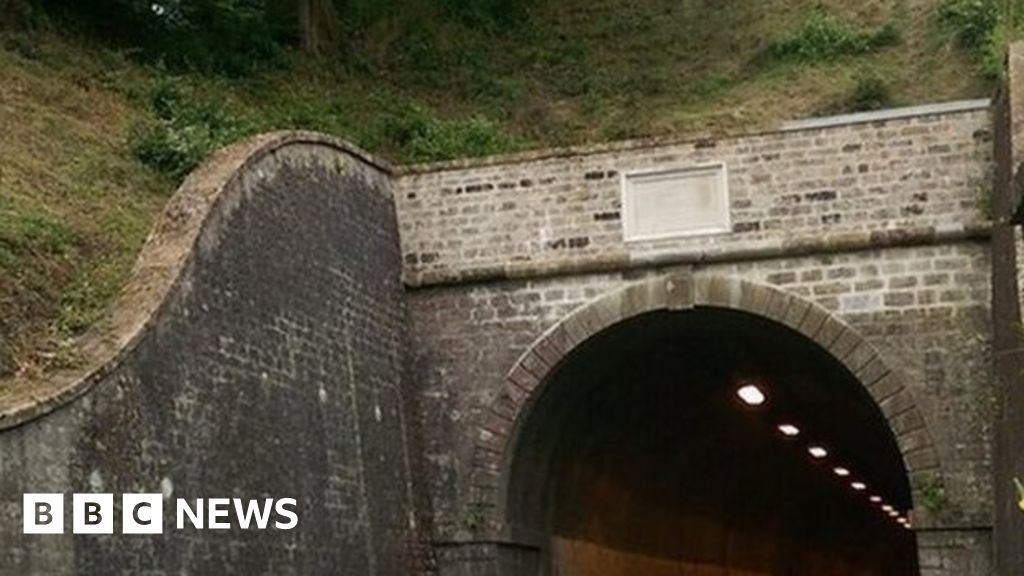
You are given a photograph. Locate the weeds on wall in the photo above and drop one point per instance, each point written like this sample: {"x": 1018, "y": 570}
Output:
{"x": 983, "y": 189}
{"x": 932, "y": 495}
{"x": 475, "y": 517}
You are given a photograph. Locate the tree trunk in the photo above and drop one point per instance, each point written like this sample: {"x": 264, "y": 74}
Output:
{"x": 318, "y": 25}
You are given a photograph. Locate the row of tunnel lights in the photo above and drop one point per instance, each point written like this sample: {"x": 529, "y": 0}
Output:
{"x": 752, "y": 395}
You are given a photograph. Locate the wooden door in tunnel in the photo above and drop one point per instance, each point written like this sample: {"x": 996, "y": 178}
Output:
{"x": 640, "y": 457}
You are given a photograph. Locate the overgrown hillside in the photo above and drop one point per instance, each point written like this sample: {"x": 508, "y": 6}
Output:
{"x": 97, "y": 131}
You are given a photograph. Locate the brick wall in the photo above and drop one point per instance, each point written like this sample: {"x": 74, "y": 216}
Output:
{"x": 876, "y": 219}
{"x": 923, "y": 308}
{"x": 544, "y": 212}
{"x": 275, "y": 369}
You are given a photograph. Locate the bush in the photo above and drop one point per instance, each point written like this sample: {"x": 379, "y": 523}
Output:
{"x": 973, "y": 21}
{"x": 423, "y": 138}
{"x": 187, "y": 128}
{"x": 824, "y": 37}
{"x": 982, "y": 28}
{"x": 871, "y": 92}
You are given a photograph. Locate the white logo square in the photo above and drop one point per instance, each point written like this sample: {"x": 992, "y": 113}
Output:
{"x": 93, "y": 514}
{"x": 142, "y": 514}
{"x": 43, "y": 513}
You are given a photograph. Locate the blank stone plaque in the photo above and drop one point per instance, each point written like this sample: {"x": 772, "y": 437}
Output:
{"x": 673, "y": 203}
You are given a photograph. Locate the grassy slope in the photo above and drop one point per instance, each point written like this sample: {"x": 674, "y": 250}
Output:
{"x": 75, "y": 205}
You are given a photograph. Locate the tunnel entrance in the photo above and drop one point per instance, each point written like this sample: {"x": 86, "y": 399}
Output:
{"x": 639, "y": 456}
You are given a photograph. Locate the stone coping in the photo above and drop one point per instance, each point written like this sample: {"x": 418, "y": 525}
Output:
{"x": 888, "y": 114}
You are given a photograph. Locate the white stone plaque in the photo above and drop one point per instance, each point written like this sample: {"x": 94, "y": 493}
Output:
{"x": 673, "y": 203}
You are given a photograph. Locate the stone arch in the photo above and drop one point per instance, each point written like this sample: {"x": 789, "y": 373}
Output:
{"x": 498, "y": 426}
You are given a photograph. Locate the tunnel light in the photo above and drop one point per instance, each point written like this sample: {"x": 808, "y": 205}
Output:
{"x": 789, "y": 430}
{"x": 840, "y": 471}
{"x": 817, "y": 452}
{"x": 887, "y": 508}
{"x": 894, "y": 514}
{"x": 876, "y": 499}
{"x": 751, "y": 395}
{"x": 859, "y": 486}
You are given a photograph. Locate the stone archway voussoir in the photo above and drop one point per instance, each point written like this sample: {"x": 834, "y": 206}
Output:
{"x": 912, "y": 441}
{"x": 798, "y": 310}
{"x": 885, "y": 387}
{"x": 719, "y": 291}
{"x": 813, "y": 321}
{"x": 872, "y": 371}
{"x": 897, "y": 404}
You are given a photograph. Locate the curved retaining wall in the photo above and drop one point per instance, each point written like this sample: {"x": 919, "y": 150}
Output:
{"x": 257, "y": 352}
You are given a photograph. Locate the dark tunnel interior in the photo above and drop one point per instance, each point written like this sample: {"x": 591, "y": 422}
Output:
{"x": 639, "y": 457}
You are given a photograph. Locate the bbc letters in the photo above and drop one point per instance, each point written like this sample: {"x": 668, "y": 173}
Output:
{"x": 144, "y": 514}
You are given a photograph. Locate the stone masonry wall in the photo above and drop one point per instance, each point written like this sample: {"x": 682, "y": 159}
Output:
{"x": 289, "y": 360}
{"x": 544, "y": 212}
{"x": 923, "y": 308}
{"x": 872, "y": 220}
{"x": 274, "y": 369}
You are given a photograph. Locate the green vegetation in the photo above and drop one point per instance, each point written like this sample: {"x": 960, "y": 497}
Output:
{"x": 824, "y": 36}
{"x": 931, "y": 495}
{"x": 871, "y": 90}
{"x": 184, "y": 130}
{"x": 475, "y": 517}
{"x": 106, "y": 104}
{"x": 975, "y": 24}
{"x": 186, "y": 127}
{"x": 983, "y": 28}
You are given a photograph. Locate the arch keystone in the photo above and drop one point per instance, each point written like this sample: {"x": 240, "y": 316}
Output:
{"x": 679, "y": 292}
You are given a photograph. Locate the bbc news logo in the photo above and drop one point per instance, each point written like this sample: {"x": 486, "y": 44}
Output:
{"x": 143, "y": 514}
